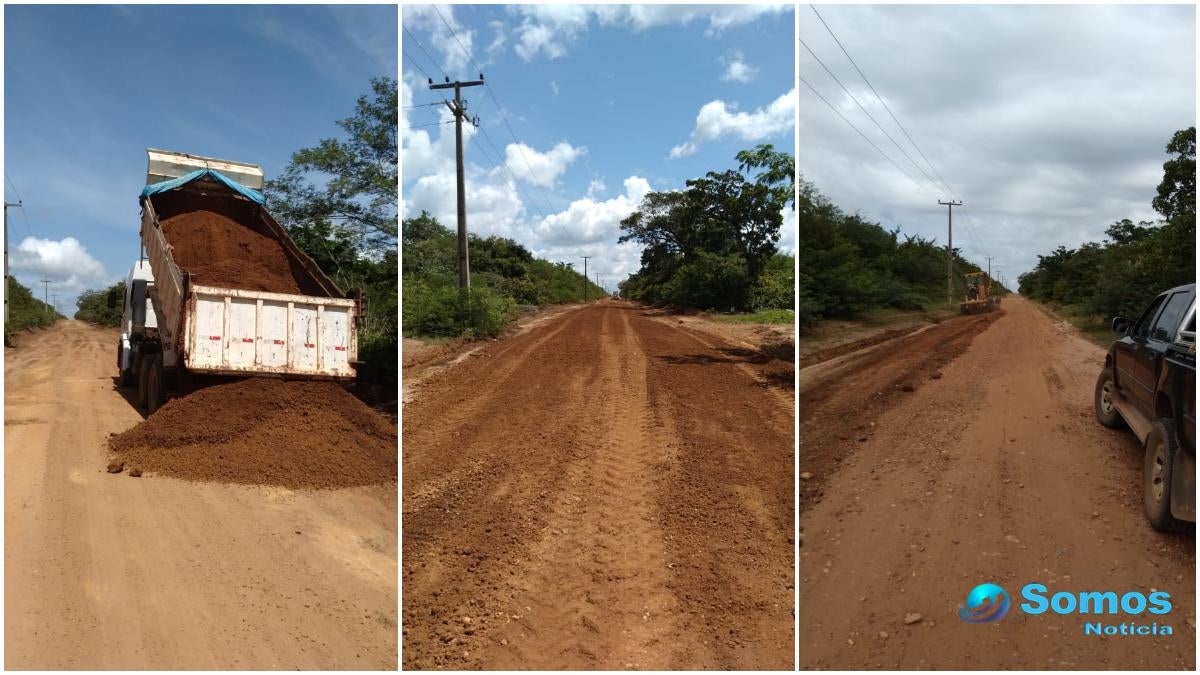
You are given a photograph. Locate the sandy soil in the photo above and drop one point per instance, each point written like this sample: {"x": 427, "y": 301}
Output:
{"x": 602, "y": 491}
{"x": 107, "y": 571}
{"x": 995, "y": 471}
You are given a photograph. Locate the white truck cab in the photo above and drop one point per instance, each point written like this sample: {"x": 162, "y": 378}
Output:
{"x": 138, "y": 319}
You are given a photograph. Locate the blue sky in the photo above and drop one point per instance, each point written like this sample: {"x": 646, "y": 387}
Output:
{"x": 607, "y": 102}
{"x": 88, "y": 88}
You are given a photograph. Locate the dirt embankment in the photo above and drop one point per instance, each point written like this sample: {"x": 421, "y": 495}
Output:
{"x": 219, "y": 251}
{"x": 264, "y": 431}
{"x": 604, "y": 491}
{"x": 970, "y": 453}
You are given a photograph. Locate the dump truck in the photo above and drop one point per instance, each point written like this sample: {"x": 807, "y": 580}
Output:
{"x": 178, "y": 326}
{"x": 978, "y": 294}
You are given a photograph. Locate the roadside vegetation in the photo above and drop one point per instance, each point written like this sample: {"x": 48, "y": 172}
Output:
{"x": 26, "y": 311}
{"x": 1120, "y": 275}
{"x": 93, "y": 306}
{"x": 505, "y": 278}
{"x": 713, "y": 245}
{"x": 851, "y": 268}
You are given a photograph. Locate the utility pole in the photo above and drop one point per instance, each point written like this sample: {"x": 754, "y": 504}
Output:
{"x": 598, "y": 280}
{"x": 989, "y": 259}
{"x": 6, "y": 205}
{"x": 459, "y": 109}
{"x": 585, "y": 278}
{"x": 46, "y": 285}
{"x": 949, "y": 249}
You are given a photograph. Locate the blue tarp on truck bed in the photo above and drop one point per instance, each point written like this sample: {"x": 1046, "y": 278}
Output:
{"x": 167, "y": 185}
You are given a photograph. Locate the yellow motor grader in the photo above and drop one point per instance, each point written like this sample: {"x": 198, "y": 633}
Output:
{"x": 979, "y": 296}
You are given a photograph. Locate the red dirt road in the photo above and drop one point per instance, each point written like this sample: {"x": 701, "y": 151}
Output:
{"x": 996, "y": 471}
{"x": 108, "y": 572}
{"x": 606, "y": 490}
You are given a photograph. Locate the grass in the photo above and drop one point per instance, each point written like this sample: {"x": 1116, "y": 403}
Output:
{"x": 773, "y": 316}
{"x": 1096, "y": 329}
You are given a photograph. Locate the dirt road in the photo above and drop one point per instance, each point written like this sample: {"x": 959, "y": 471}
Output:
{"x": 106, "y": 571}
{"x": 994, "y": 471}
{"x": 606, "y": 490}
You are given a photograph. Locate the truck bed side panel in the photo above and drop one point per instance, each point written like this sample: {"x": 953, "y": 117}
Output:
{"x": 168, "y": 282}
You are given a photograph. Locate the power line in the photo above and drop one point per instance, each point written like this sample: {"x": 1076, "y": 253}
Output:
{"x": 865, "y": 138}
{"x": 418, "y": 66}
{"x": 884, "y": 103}
{"x": 868, "y": 114}
{"x": 424, "y": 51}
{"x": 431, "y": 124}
{"x": 499, "y": 109}
{"x": 968, "y": 222}
{"x": 20, "y": 204}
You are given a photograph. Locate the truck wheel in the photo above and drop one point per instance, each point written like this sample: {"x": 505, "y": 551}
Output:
{"x": 1161, "y": 447}
{"x": 156, "y": 391}
{"x": 143, "y": 364}
{"x": 1106, "y": 410}
{"x": 124, "y": 375}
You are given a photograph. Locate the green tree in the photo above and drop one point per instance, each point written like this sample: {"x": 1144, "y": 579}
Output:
{"x": 720, "y": 230}
{"x": 1177, "y": 191}
{"x": 93, "y": 305}
{"x": 338, "y": 201}
{"x": 359, "y": 194}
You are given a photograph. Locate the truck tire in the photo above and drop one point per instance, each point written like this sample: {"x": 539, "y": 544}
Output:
{"x": 156, "y": 390}
{"x": 141, "y": 381}
{"x": 1161, "y": 447}
{"x": 125, "y": 376}
{"x": 1106, "y": 410}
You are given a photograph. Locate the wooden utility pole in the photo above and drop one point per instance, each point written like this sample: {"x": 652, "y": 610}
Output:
{"x": 6, "y": 205}
{"x": 46, "y": 285}
{"x": 459, "y": 109}
{"x": 949, "y": 249}
{"x": 585, "y": 278}
{"x": 989, "y": 259}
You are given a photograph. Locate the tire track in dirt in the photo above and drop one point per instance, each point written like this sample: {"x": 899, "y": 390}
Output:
{"x": 839, "y": 401}
{"x": 557, "y": 552}
{"x": 995, "y": 472}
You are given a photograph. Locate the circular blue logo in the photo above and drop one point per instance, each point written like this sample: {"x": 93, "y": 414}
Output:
{"x": 985, "y": 603}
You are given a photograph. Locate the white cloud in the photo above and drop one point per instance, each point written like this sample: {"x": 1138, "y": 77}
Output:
{"x": 500, "y": 39}
{"x": 587, "y": 221}
{"x": 445, "y": 35}
{"x": 554, "y": 87}
{"x": 534, "y": 38}
{"x": 595, "y": 187}
{"x": 66, "y": 263}
{"x": 717, "y": 119}
{"x": 549, "y": 29}
{"x": 546, "y": 167}
{"x": 737, "y": 70}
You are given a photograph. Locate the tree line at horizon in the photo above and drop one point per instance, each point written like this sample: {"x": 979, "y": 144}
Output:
{"x": 850, "y": 265}
{"x": 1136, "y": 261}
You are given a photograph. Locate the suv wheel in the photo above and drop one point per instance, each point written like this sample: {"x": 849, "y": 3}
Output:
{"x": 1106, "y": 409}
{"x": 1161, "y": 447}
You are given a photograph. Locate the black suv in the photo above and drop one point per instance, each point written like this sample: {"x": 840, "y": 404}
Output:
{"x": 1149, "y": 384}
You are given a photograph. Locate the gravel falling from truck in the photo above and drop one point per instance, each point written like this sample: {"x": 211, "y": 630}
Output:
{"x": 219, "y": 251}
{"x": 264, "y": 431}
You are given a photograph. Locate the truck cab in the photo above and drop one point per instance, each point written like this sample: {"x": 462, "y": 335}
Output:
{"x": 138, "y": 319}
{"x": 1149, "y": 385}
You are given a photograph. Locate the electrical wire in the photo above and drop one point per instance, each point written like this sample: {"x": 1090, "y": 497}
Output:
{"x": 499, "y": 109}
{"x": 865, "y": 138}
